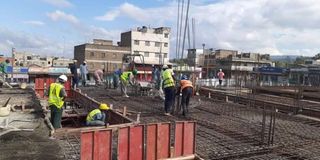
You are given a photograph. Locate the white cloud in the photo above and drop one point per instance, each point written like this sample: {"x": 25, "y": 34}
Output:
{"x": 62, "y": 16}
{"x": 34, "y": 23}
{"x": 59, "y": 3}
{"x": 266, "y": 26}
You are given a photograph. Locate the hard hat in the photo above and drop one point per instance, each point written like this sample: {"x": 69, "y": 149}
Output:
{"x": 134, "y": 72}
{"x": 84, "y": 61}
{"x": 184, "y": 77}
{"x": 104, "y": 106}
{"x": 7, "y": 61}
{"x": 63, "y": 78}
{"x": 75, "y": 61}
{"x": 165, "y": 66}
{"x": 220, "y": 69}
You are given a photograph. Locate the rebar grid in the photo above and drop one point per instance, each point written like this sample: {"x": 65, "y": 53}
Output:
{"x": 71, "y": 147}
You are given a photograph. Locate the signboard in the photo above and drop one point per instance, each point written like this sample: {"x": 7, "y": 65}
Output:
{"x": 59, "y": 71}
{"x": 17, "y": 69}
{"x": 271, "y": 70}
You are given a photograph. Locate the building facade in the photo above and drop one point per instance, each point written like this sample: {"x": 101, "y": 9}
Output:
{"x": 25, "y": 59}
{"x": 101, "y": 54}
{"x": 152, "y": 43}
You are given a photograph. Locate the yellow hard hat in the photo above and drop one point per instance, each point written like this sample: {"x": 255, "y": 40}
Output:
{"x": 104, "y": 106}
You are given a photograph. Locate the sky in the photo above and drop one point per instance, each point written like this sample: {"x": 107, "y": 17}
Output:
{"x": 54, "y": 27}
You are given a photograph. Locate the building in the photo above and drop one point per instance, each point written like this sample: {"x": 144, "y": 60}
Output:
{"x": 196, "y": 57}
{"x": 25, "y": 59}
{"x": 101, "y": 54}
{"x": 233, "y": 64}
{"x": 152, "y": 43}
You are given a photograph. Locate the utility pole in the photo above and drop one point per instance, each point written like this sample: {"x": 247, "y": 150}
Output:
{"x": 12, "y": 62}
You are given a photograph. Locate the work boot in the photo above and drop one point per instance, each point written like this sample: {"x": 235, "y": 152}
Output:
{"x": 167, "y": 114}
{"x": 126, "y": 96}
{"x": 184, "y": 113}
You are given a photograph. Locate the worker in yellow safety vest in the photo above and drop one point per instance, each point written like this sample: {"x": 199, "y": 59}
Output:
{"x": 97, "y": 117}
{"x": 186, "y": 90}
{"x": 57, "y": 94}
{"x": 125, "y": 79}
{"x": 168, "y": 85}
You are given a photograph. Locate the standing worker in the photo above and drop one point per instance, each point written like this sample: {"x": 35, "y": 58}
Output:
{"x": 125, "y": 79}
{"x": 97, "y": 117}
{"x": 220, "y": 76}
{"x": 74, "y": 72}
{"x": 116, "y": 75}
{"x": 98, "y": 76}
{"x": 186, "y": 89}
{"x": 168, "y": 86}
{"x": 3, "y": 73}
{"x": 83, "y": 72}
{"x": 57, "y": 94}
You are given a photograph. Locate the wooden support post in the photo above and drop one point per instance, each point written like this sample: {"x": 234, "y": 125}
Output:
{"x": 124, "y": 111}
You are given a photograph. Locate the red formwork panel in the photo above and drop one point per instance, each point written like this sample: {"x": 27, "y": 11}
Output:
{"x": 102, "y": 145}
{"x": 151, "y": 142}
{"x": 96, "y": 145}
{"x": 131, "y": 143}
{"x": 39, "y": 86}
{"x": 123, "y": 143}
{"x": 136, "y": 147}
{"x": 86, "y": 146}
{"x": 184, "y": 143}
{"x": 163, "y": 140}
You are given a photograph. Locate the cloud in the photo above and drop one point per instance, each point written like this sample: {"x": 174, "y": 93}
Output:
{"x": 142, "y": 15}
{"x": 62, "y": 16}
{"x": 59, "y": 3}
{"x": 265, "y": 26}
{"x": 34, "y": 23}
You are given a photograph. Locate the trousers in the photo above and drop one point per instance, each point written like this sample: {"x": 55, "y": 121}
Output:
{"x": 169, "y": 98}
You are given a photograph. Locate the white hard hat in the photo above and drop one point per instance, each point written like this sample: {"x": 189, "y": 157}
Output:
{"x": 165, "y": 66}
{"x": 64, "y": 78}
{"x": 84, "y": 61}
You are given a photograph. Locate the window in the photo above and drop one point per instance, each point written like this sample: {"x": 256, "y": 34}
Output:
{"x": 146, "y": 54}
{"x": 92, "y": 54}
{"x": 166, "y": 35}
{"x": 29, "y": 58}
{"x": 136, "y": 42}
{"x": 157, "y": 54}
{"x": 166, "y": 44}
{"x": 147, "y": 43}
{"x": 136, "y": 52}
{"x": 157, "y": 44}
{"x": 103, "y": 55}
{"x": 165, "y": 55}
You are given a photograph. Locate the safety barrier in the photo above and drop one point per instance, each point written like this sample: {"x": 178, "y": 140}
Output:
{"x": 42, "y": 85}
{"x": 141, "y": 142}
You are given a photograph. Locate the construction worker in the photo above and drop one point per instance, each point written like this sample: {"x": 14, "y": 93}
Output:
{"x": 116, "y": 75}
{"x": 97, "y": 116}
{"x": 220, "y": 76}
{"x": 98, "y": 75}
{"x": 83, "y": 72}
{"x": 74, "y": 72}
{"x": 57, "y": 94}
{"x": 168, "y": 85}
{"x": 125, "y": 79}
{"x": 3, "y": 73}
{"x": 186, "y": 90}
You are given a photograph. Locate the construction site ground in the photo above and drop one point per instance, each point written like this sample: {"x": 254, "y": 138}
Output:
{"x": 227, "y": 130}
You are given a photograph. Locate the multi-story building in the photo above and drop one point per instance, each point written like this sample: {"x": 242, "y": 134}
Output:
{"x": 152, "y": 43}
{"x": 101, "y": 54}
{"x": 232, "y": 63}
{"x": 28, "y": 59}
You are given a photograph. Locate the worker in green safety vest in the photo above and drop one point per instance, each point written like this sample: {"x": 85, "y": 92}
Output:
{"x": 3, "y": 71}
{"x": 57, "y": 94}
{"x": 168, "y": 85}
{"x": 125, "y": 79}
{"x": 97, "y": 117}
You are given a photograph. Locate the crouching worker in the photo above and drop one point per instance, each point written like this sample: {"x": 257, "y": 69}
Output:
{"x": 97, "y": 117}
{"x": 186, "y": 90}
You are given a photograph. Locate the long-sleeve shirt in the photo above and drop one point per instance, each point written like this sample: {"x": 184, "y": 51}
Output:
{"x": 83, "y": 69}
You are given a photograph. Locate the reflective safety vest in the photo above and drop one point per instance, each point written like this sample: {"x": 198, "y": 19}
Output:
{"x": 125, "y": 76}
{"x": 92, "y": 114}
{"x": 54, "y": 95}
{"x": 185, "y": 83}
{"x": 167, "y": 78}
